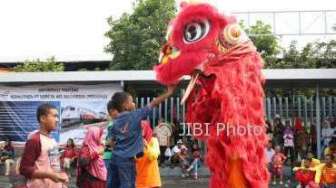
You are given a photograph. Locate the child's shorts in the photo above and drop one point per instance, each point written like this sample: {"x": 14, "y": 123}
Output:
{"x": 277, "y": 171}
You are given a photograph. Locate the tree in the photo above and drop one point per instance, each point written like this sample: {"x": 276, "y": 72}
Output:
{"x": 313, "y": 55}
{"x": 37, "y": 65}
{"x": 136, "y": 39}
{"x": 263, "y": 38}
{"x": 294, "y": 58}
{"x": 265, "y": 41}
{"x": 325, "y": 54}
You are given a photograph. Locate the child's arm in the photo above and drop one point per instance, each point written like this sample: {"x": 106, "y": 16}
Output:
{"x": 164, "y": 96}
{"x": 284, "y": 158}
{"x": 29, "y": 156}
{"x": 56, "y": 177}
{"x": 144, "y": 112}
{"x": 27, "y": 167}
{"x": 85, "y": 156}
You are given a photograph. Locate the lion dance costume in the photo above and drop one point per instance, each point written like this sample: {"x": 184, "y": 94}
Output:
{"x": 226, "y": 89}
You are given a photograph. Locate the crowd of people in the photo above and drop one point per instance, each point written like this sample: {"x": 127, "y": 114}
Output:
{"x": 126, "y": 158}
{"x": 96, "y": 163}
{"x": 131, "y": 153}
{"x": 293, "y": 144}
{"x": 186, "y": 153}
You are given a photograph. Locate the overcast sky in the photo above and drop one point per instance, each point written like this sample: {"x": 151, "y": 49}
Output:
{"x": 74, "y": 29}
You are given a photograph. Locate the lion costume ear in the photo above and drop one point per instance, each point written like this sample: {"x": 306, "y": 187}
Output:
{"x": 233, "y": 34}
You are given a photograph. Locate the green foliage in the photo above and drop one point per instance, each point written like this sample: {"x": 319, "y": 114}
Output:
{"x": 325, "y": 54}
{"x": 266, "y": 42}
{"x": 37, "y": 65}
{"x": 313, "y": 55}
{"x": 262, "y": 36}
{"x": 136, "y": 39}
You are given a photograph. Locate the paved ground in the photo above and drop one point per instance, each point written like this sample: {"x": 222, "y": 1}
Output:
{"x": 170, "y": 179}
{"x": 6, "y": 182}
{"x": 168, "y": 182}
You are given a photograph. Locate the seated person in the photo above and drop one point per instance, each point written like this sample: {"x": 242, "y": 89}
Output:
{"x": 313, "y": 162}
{"x": 326, "y": 173}
{"x": 331, "y": 149}
{"x": 8, "y": 156}
{"x": 69, "y": 155}
{"x": 175, "y": 159}
{"x": 305, "y": 175}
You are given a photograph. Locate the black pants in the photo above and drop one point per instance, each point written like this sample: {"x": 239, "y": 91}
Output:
{"x": 162, "y": 154}
{"x": 289, "y": 151}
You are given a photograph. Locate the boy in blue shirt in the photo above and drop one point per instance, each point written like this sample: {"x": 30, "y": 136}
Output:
{"x": 127, "y": 135}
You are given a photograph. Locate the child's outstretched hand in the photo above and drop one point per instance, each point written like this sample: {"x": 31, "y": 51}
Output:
{"x": 101, "y": 151}
{"x": 161, "y": 98}
{"x": 58, "y": 177}
{"x": 171, "y": 89}
{"x": 145, "y": 143}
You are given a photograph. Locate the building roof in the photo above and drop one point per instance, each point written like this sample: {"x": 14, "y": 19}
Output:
{"x": 274, "y": 77}
{"x": 77, "y": 76}
{"x": 70, "y": 65}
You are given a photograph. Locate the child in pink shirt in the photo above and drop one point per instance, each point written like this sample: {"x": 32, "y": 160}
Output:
{"x": 278, "y": 161}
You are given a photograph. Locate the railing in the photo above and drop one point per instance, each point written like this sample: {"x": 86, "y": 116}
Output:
{"x": 304, "y": 107}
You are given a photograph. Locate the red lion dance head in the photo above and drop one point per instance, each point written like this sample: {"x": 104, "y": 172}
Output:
{"x": 225, "y": 94}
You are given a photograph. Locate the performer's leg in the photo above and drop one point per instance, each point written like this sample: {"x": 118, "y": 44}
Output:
{"x": 8, "y": 164}
{"x": 127, "y": 173}
{"x": 113, "y": 174}
{"x": 66, "y": 164}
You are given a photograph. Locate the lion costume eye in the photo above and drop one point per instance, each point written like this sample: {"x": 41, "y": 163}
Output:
{"x": 196, "y": 31}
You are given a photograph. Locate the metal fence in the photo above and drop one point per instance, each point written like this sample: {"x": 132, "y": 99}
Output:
{"x": 304, "y": 107}
{"x": 301, "y": 105}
